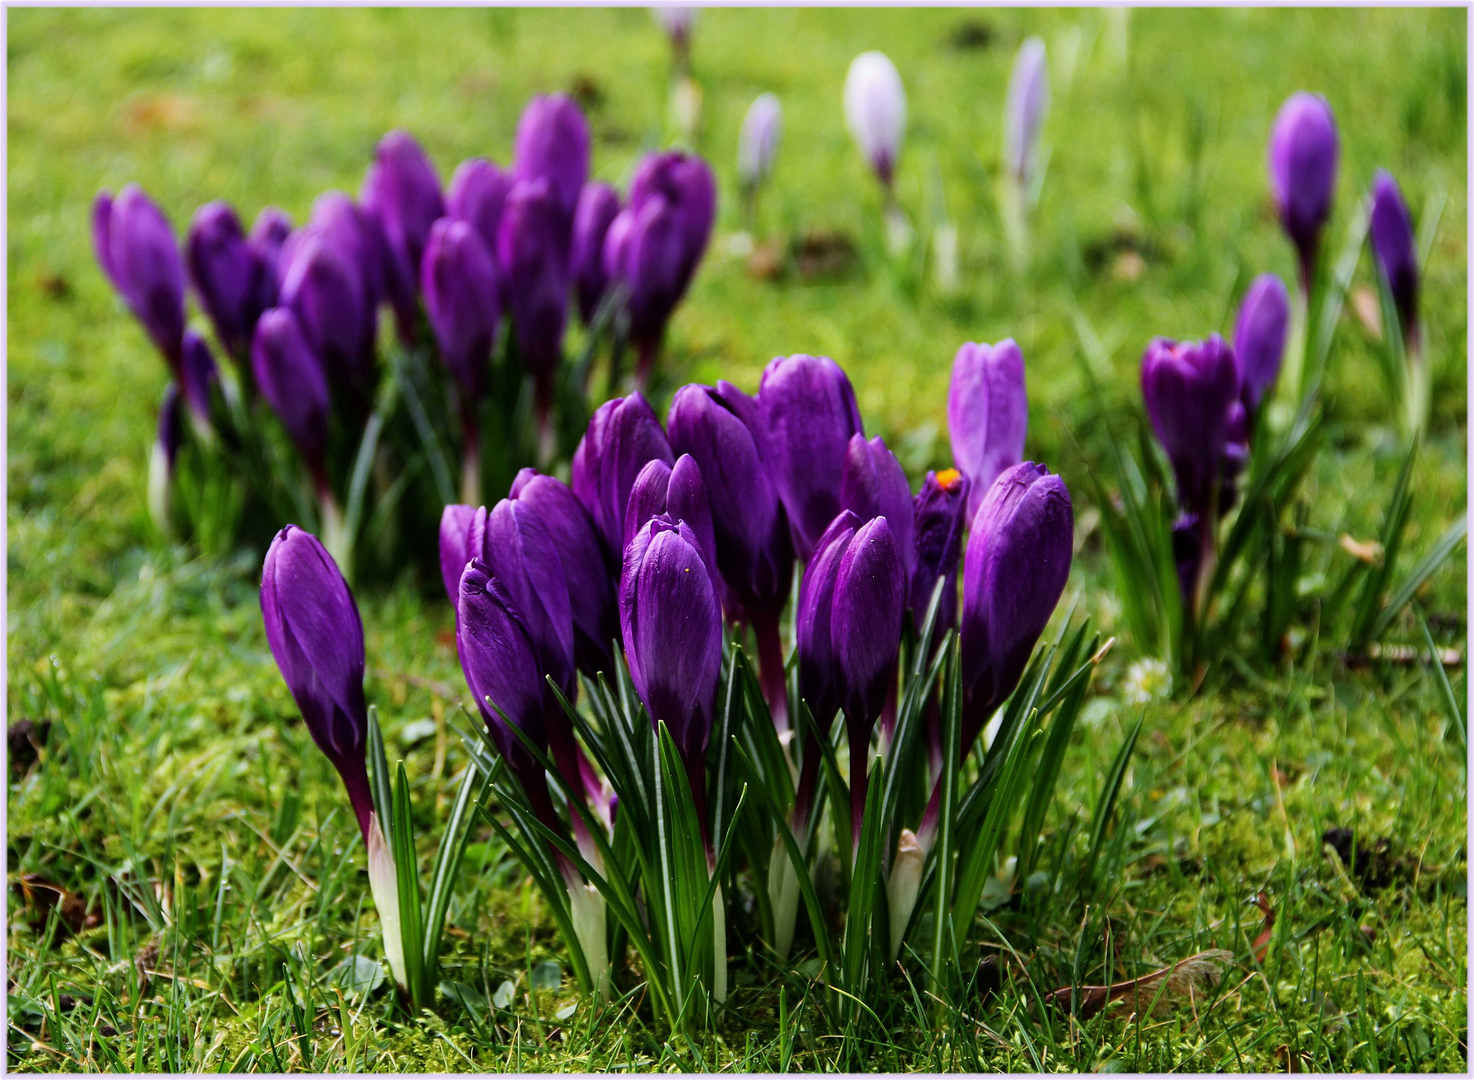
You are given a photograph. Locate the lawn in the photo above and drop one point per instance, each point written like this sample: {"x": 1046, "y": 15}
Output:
{"x": 184, "y": 879}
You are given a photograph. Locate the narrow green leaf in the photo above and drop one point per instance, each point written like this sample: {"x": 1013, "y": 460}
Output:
{"x": 406, "y": 871}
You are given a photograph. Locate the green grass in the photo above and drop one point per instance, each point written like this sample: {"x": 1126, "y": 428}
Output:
{"x": 178, "y": 798}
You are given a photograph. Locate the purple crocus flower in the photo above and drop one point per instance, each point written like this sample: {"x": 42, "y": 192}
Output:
{"x": 326, "y": 294}
{"x": 1259, "y": 337}
{"x": 316, "y": 636}
{"x": 672, "y": 629}
{"x": 478, "y": 191}
{"x": 597, "y": 207}
{"x": 679, "y": 492}
{"x": 875, "y": 110}
{"x": 586, "y": 566}
{"x": 290, "y": 378}
{"x": 818, "y": 674}
{"x": 521, "y": 553}
{"x": 403, "y": 192}
{"x": 1396, "y": 251}
{"x": 135, "y": 247}
{"x": 686, "y": 183}
{"x": 198, "y": 374}
{"x": 357, "y": 237}
{"x": 623, "y": 435}
{"x": 533, "y": 262}
{"x": 987, "y": 413}
{"x": 458, "y": 279}
{"x": 1189, "y": 387}
{"x": 865, "y": 634}
{"x": 873, "y": 484}
{"x": 552, "y": 144}
{"x": 455, "y": 551}
{"x": 809, "y": 416}
{"x": 270, "y": 232}
{"x": 940, "y": 511}
{"x": 1024, "y": 109}
{"x": 1303, "y": 152}
{"x": 721, "y": 428}
{"x": 234, "y": 279}
{"x": 1017, "y": 562}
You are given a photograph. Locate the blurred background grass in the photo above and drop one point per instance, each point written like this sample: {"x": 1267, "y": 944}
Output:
{"x": 1154, "y": 214}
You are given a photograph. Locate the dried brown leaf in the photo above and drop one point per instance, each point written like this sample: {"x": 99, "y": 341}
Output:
{"x": 1160, "y": 992}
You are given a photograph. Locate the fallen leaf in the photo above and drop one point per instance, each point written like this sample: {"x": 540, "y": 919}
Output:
{"x": 42, "y": 896}
{"x": 1158, "y": 992}
{"x": 1290, "y": 1061}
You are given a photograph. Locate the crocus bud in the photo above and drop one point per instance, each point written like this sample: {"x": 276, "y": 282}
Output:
{"x": 586, "y": 566}
{"x": 1188, "y": 388}
{"x": 522, "y": 555}
{"x": 403, "y": 192}
{"x": 809, "y": 416}
{"x": 672, "y": 629}
{"x": 477, "y": 193}
{"x": 1259, "y": 337}
{"x": 1396, "y": 250}
{"x": 135, "y": 246}
{"x": 1017, "y": 562}
{"x": 597, "y": 207}
{"x": 326, "y": 294}
{"x": 865, "y": 631}
{"x": 1024, "y": 109}
{"x": 940, "y": 511}
{"x": 685, "y": 181}
{"x": 623, "y": 435}
{"x": 455, "y": 551}
{"x": 680, "y": 493}
{"x": 818, "y": 674}
{"x": 532, "y": 261}
{"x": 875, "y": 109}
{"x": 1303, "y": 151}
{"x": 270, "y": 231}
{"x": 987, "y": 413}
{"x": 198, "y": 374}
{"x": 757, "y": 142}
{"x": 552, "y": 144}
{"x": 458, "y": 279}
{"x": 315, "y": 634}
{"x": 357, "y": 237}
{"x": 676, "y": 20}
{"x": 233, "y": 278}
{"x": 290, "y": 378}
{"x": 499, "y": 660}
{"x": 873, "y": 484}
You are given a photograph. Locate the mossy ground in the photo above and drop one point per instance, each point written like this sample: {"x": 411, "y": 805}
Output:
{"x": 217, "y": 879}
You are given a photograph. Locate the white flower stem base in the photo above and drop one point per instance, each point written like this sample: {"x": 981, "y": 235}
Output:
{"x": 384, "y": 885}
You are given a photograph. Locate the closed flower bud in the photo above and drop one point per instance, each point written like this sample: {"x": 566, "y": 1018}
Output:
{"x": 686, "y": 183}
{"x": 500, "y": 662}
{"x": 597, "y": 207}
{"x": 326, "y": 293}
{"x": 872, "y": 485}
{"x": 940, "y": 511}
{"x": 356, "y": 236}
{"x": 1396, "y": 250}
{"x": 818, "y": 673}
{"x": 1024, "y": 109}
{"x": 1188, "y": 388}
{"x": 290, "y": 378}
{"x": 1259, "y": 337}
{"x": 1017, "y": 562}
{"x": 809, "y": 416}
{"x": 680, "y": 493}
{"x": 757, "y": 142}
{"x": 1303, "y": 152}
{"x": 270, "y": 232}
{"x": 532, "y": 260}
{"x": 586, "y": 566}
{"x": 455, "y": 552}
{"x": 521, "y": 553}
{"x": 478, "y": 191}
{"x": 458, "y": 279}
{"x": 875, "y": 109}
{"x": 987, "y": 413}
{"x": 623, "y": 435}
{"x": 234, "y": 279}
{"x": 315, "y": 634}
{"x": 672, "y": 629}
{"x": 135, "y": 246}
{"x": 402, "y": 191}
{"x": 199, "y": 375}
{"x": 552, "y": 144}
